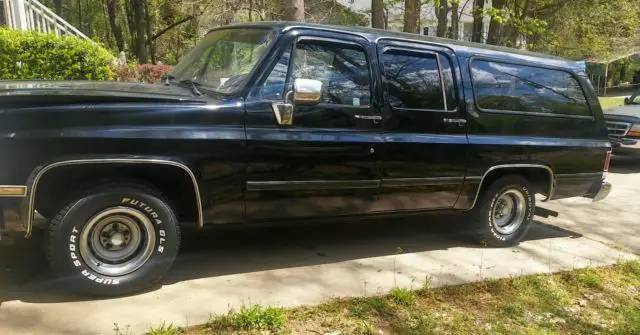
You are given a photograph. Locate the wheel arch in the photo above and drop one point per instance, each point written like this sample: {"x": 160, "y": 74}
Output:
{"x": 523, "y": 169}
{"x": 28, "y": 204}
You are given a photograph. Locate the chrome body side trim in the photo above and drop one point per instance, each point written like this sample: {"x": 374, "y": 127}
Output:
{"x": 408, "y": 182}
{"x": 581, "y": 175}
{"x": 311, "y": 185}
{"x": 37, "y": 174}
{"x": 511, "y": 166}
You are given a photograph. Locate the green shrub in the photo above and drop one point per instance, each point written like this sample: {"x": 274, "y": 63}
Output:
{"x": 31, "y": 55}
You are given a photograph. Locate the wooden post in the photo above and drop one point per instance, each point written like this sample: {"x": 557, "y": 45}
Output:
{"x": 19, "y": 15}
{"x": 606, "y": 73}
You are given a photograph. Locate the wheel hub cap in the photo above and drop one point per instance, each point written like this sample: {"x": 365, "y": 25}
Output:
{"x": 508, "y": 212}
{"x": 117, "y": 241}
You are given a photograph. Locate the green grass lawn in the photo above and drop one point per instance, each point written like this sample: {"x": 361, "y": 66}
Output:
{"x": 588, "y": 301}
{"x": 610, "y": 102}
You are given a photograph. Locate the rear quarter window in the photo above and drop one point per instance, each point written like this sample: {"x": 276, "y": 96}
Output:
{"x": 520, "y": 88}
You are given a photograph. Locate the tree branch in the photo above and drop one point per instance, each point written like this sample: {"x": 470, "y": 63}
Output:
{"x": 173, "y": 25}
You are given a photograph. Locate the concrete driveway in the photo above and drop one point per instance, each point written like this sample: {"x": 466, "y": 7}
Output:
{"x": 296, "y": 265}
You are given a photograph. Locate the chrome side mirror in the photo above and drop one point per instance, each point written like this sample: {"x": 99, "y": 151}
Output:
{"x": 307, "y": 91}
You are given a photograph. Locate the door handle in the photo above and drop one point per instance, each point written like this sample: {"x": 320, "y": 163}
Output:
{"x": 459, "y": 122}
{"x": 375, "y": 118}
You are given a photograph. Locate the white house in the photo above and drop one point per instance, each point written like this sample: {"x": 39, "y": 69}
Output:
{"x": 428, "y": 19}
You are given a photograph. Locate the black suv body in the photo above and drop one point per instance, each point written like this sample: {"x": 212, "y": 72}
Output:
{"x": 285, "y": 121}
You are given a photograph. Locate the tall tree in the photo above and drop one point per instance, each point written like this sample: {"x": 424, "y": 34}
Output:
{"x": 112, "y": 12}
{"x": 294, "y": 10}
{"x": 137, "y": 28}
{"x": 495, "y": 26}
{"x": 377, "y": 14}
{"x": 478, "y": 16}
{"x": 442, "y": 12}
{"x": 412, "y": 16}
{"x": 455, "y": 19}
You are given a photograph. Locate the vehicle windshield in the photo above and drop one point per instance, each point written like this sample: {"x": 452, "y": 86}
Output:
{"x": 223, "y": 59}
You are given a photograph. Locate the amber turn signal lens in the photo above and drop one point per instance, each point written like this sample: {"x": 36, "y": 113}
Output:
{"x": 13, "y": 191}
{"x": 634, "y": 133}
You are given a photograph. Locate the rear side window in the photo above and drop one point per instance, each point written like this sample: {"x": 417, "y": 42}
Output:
{"x": 510, "y": 87}
{"x": 413, "y": 80}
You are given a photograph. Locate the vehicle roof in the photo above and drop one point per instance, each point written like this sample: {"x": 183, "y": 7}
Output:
{"x": 471, "y": 48}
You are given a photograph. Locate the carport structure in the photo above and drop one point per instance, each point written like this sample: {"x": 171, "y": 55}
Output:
{"x": 626, "y": 53}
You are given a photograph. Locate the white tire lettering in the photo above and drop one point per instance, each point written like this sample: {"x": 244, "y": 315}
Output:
{"x": 162, "y": 233}
{"x": 124, "y": 200}
{"x": 72, "y": 247}
{"x": 160, "y": 249}
{"x": 72, "y": 239}
{"x": 77, "y": 263}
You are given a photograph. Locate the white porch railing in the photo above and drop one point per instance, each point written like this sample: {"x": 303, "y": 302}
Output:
{"x": 32, "y": 15}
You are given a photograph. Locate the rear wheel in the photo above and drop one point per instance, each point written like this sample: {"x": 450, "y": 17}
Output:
{"x": 114, "y": 240}
{"x": 505, "y": 212}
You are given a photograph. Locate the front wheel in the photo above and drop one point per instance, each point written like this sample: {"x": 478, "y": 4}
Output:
{"x": 114, "y": 240}
{"x": 505, "y": 212}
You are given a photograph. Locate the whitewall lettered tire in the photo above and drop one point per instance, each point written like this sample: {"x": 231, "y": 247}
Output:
{"x": 115, "y": 239}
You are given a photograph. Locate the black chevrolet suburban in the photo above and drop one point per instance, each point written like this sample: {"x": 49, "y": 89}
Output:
{"x": 291, "y": 122}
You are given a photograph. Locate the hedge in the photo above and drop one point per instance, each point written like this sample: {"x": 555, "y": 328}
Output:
{"x": 32, "y": 55}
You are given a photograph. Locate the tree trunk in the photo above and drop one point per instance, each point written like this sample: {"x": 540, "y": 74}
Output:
{"x": 412, "y": 16}
{"x": 149, "y": 32}
{"x": 57, "y": 4}
{"x": 455, "y": 20}
{"x": 442, "y": 11}
{"x": 377, "y": 14}
{"x": 80, "y": 14}
{"x": 137, "y": 29}
{"x": 294, "y": 10}
{"x": 478, "y": 26}
{"x": 495, "y": 27}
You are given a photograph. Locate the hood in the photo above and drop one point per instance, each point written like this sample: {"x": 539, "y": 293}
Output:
{"x": 629, "y": 113}
{"x": 69, "y": 92}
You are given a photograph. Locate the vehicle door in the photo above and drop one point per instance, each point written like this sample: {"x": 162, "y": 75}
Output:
{"x": 321, "y": 159}
{"x": 424, "y": 129}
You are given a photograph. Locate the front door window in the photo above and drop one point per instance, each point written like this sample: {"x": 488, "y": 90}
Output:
{"x": 342, "y": 69}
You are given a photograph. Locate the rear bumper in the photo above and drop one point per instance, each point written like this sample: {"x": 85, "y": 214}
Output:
{"x": 625, "y": 146}
{"x": 599, "y": 191}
